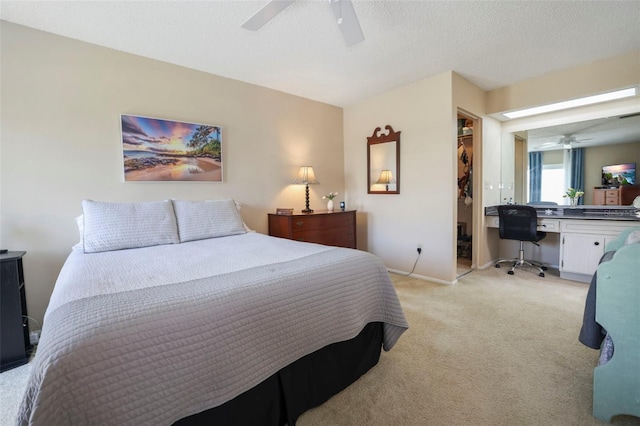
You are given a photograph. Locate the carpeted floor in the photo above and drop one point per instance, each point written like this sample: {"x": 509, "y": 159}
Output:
{"x": 493, "y": 349}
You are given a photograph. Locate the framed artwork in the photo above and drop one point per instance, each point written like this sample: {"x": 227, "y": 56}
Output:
{"x": 157, "y": 150}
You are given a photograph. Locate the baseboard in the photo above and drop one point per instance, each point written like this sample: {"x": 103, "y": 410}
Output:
{"x": 422, "y": 277}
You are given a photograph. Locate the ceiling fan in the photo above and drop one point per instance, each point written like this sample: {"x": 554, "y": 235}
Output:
{"x": 342, "y": 9}
{"x": 567, "y": 141}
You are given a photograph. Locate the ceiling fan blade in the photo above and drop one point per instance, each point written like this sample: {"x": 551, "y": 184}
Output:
{"x": 267, "y": 13}
{"x": 347, "y": 21}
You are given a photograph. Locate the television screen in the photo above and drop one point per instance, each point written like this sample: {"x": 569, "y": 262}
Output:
{"x": 619, "y": 174}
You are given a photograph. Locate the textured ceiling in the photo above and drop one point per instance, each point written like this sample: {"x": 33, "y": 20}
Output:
{"x": 301, "y": 51}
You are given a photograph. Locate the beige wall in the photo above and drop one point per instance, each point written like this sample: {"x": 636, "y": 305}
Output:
{"x": 61, "y": 106}
{"x": 553, "y": 157}
{"x": 597, "y": 77}
{"x": 391, "y": 226}
{"x": 425, "y": 211}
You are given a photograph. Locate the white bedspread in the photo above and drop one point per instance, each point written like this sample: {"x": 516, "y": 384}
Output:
{"x": 152, "y": 335}
{"x": 122, "y": 270}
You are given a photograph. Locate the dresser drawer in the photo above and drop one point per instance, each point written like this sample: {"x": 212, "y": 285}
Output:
{"x": 611, "y": 193}
{"x": 335, "y": 229}
{"x": 547, "y": 225}
{"x": 307, "y": 223}
{"x": 341, "y": 237}
{"x": 611, "y": 201}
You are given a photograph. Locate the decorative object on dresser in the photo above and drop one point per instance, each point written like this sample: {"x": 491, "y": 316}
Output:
{"x": 383, "y": 162}
{"x": 330, "y": 197}
{"x": 330, "y": 228}
{"x": 14, "y": 333}
{"x": 306, "y": 177}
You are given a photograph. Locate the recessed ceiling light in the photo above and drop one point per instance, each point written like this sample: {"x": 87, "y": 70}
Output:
{"x": 610, "y": 96}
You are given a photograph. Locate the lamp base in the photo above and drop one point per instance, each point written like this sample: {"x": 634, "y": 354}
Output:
{"x": 307, "y": 211}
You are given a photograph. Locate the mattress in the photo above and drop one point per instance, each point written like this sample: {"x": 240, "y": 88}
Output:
{"x": 155, "y": 334}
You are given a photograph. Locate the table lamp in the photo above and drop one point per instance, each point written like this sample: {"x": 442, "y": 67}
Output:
{"x": 306, "y": 177}
{"x": 385, "y": 178}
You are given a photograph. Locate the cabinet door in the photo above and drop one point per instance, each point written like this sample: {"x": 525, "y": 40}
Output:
{"x": 598, "y": 197}
{"x": 580, "y": 253}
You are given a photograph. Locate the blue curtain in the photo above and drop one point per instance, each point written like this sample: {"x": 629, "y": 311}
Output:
{"x": 577, "y": 171}
{"x": 535, "y": 176}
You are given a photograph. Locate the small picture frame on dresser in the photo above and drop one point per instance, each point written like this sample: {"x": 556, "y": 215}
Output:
{"x": 284, "y": 211}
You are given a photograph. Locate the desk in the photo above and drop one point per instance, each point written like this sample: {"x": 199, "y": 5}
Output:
{"x": 576, "y": 238}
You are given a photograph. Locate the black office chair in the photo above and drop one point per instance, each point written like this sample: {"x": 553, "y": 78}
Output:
{"x": 520, "y": 223}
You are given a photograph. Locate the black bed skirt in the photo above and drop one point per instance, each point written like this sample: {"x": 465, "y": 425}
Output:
{"x": 304, "y": 384}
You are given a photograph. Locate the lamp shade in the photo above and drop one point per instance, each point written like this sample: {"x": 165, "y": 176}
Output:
{"x": 385, "y": 177}
{"x": 306, "y": 176}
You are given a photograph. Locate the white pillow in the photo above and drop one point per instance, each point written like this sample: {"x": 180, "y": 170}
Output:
{"x": 244, "y": 224}
{"x": 80, "y": 223}
{"x": 116, "y": 226}
{"x": 198, "y": 220}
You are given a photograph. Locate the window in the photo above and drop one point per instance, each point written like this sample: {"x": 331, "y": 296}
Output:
{"x": 552, "y": 186}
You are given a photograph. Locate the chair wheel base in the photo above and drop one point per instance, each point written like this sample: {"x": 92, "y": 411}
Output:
{"x": 510, "y": 272}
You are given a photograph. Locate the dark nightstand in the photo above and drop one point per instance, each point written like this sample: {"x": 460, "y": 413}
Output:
{"x": 14, "y": 330}
{"x": 337, "y": 228}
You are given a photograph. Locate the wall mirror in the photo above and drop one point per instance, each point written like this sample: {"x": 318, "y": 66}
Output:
{"x": 611, "y": 138}
{"x": 383, "y": 161}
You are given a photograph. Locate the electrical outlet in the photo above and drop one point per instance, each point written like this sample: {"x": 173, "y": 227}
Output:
{"x": 419, "y": 249}
{"x": 34, "y": 337}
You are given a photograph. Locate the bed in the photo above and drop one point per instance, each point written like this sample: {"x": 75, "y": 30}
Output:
{"x": 172, "y": 313}
{"x": 611, "y": 324}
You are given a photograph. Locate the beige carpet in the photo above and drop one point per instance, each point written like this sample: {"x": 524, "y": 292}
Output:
{"x": 493, "y": 349}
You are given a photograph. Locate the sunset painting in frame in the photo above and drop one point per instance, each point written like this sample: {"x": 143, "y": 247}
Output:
{"x": 168, "y": 151}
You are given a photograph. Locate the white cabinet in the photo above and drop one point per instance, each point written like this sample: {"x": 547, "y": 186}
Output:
{"x": 580, "y": 253}
{"x": 582, "y": 244}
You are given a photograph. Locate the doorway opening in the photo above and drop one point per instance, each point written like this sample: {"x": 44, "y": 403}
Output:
{"x": 467, "y": 148}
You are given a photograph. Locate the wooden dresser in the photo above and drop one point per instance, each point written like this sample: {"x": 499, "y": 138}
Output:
{"x": 337, "y": 228}
{"x": 606, "y": 197}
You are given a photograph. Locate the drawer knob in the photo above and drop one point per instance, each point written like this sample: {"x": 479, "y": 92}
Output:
{"x": 597, "y": 243}
{"x": 300, "y": 223}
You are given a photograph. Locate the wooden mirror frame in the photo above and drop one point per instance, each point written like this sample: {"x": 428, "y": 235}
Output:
{"x": 378, "y": 138}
